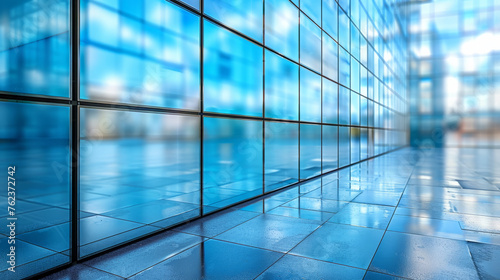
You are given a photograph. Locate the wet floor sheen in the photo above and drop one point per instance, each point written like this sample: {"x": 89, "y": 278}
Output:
{"x": 410, "y": 214}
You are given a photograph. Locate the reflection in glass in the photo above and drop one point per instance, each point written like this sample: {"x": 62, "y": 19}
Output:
{"x": 330, "y": 58}
{"x": 232, "y": 161}
{"x": 281, "y": 155}
{"x": 330, "y": 148}
{"x": 241, "y": 15}
{"x": 282, "y": 87}
{"x": 330, "y": 102}
{"x": 363, "y": 110}
{"x": 129, "y": 58}
{"x": 344, "y": 68}
{"x": 232, "y": 73}
{"x": 344, "y": 146}
{"x": 35, "y": 139}
{"x": 355, "y": 146}
{"x": 313, "y": 9}
{"x": 344, "y": 30}
{"x": 34, "y": 47}
{"x": 310, "y": 96}
{"x": 158, "y": 187}
{"x": 354, "y": 108}
{"x": 354, "y": 75}
{"x": 310, "y": 150}
{"x": 330, "y": 18}
{"x": 310, "y": 44}
{"x": 282, "y": 28}
{"x": 344, "y": 105}
{"x": 363, "y": 143}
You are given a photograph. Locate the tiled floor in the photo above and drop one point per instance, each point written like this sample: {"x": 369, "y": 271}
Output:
{"x": 411, "y": 214}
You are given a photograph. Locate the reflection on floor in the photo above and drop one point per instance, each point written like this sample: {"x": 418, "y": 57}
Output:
{"x": 411, "y": 214}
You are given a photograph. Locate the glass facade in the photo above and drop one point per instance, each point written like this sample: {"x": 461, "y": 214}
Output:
{"x": 454, "y": 73}
{"x": 175, "y": 109}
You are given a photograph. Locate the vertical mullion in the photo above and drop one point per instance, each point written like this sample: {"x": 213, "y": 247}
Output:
{"x": 75, "y": 126}
{"x": 201, "y": 137}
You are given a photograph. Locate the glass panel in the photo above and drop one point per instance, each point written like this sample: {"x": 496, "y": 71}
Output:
{"x": 354, "y": 144}
{"x": 241, "y": 15}
{"x": 193, "y": 3}
{"x": 330, "y": 18}
{"x": 354, "y": 75}
{"x": 232, "y": 73}
{"x": 344, "y": 105}
{"x": 330, "y": 102}
{"x": 35, "y": 142}
{"x": 344, "y": 146}
{"x": 127, "y": 57}
{"x": 344, "y": 68}
{"x": 354, "y": 41}
{"x": 160, "y": 187}
{"x": 330, "y": 148}
{"x": 330, "y": 58}
{"x": 363, "y": 143}
{"x": 310, "y": 150}
{"x": 310, "y": 96}
{"x": 363, "y": 109}
{"x": 34, "y": 47}
{"x": 282, "y": 87}
{"x": 354, "y": 108}
{"x": 344, "y": 31}
{"x": 310, "y": 44}
{"x": 232, "y": 161}
{"x": 313, "y": 9}
{"x": 282, "y": 28}
{"x": 281, "y": 155}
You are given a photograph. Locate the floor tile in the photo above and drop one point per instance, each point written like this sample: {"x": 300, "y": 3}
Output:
{"x": 342, "y": 244}
{"x": 213, "y": 259}
{"x": 271, "y": 232}
{"x": 379, "y": 198}
{"x": 293, "y": 267}
{"x": 365, "y": 215}
{"x": 370, "y": 275}
{"x": 425, "y": 226}
{"x": 301, "y": 213}
{"x": 487, "y": 259}
{"x": 316, "y": 204}
{"x": 81, "y": 272}
{"x": 217, "y": 223}
{"x": 423, "y": 257}
{"x": 139, "y": 256}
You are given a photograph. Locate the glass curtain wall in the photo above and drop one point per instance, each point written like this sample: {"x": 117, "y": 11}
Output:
{"x": 454, "y": 49}
{"x": 185, "y": 108}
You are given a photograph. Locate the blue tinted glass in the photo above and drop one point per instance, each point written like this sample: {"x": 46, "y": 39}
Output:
{"x": 310, "y": 96}
{"x": 153, "y": 60}
{"x": 345, "y": 4}
{"x": 354, "y": 41}
{"x": 313, "y": 9}
{"x": 330, "y": 148}
{"x": 281, "y": 154}
{"x": 355, "y": 11}
{"x": 310, "y": 44}
{"x": 344, "y": 68}
{"x": 35, "y": 141}
{"x": 364, "y": 81}
{"x": 282, "y": 87}
{"x": 330, "y": 102}
{"x": 344, "y": 105}
{"x": 355, "y": 144}
{"x": 241, "y": 15}
{"x": 232, "y": 73}
{"x": 363, "y": 109}
{"x": 34, "y": 47}
{"x": 354, "y": 75}
{"x": 330, "y": 58}
{"x": 282, "y": 28}
{"x": 344, "y": 146}
{"x": 232, "y": 161}
{"x": 193, "y": 3}
{"x": 330, "y": 18}
{"x": 310, "y": 150}
{"x": 363, "y": 143}
{"x": 344, "y": 30}
{"x": 354, "y": 108}
{"x": 161, "y": 188}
